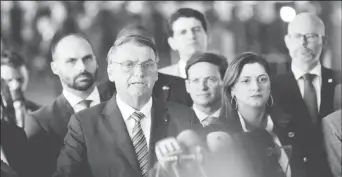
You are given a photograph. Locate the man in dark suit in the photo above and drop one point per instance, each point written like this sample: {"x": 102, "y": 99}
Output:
{"x": 14, "y": 72}
{"x": 13, "y": 146}
{"x": 167, "y": 87}
{"x": 75, "y": 64}
{"x": 307, "y": 91}
{"x": 117, "y": 138}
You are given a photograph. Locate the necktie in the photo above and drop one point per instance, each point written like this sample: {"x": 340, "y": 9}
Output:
{"x": 140, "y": 144}
{"x": 209, "y": 120}
{"x": 84, "y": 104}
{"x": 310, "y": 97}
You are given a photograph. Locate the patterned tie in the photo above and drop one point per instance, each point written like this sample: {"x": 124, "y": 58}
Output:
{"x": 140, "y": 144}
{"x": 209, "y": 120}
{"x": 310, "y": 97}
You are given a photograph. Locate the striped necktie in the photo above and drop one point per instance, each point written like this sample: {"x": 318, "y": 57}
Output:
{"x": 140, "y": 144}
{"x": 209, "y": 120}
{"x": 310, "y": 97}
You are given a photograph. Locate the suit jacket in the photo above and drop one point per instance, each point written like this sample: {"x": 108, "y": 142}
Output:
{"x": 172, "y": 70}
{"x": 287, "y": 96}
{"x": 255, "y": 142}
{"x": 167, "y": 88}
{"x": 46, "y": 129}
{"x": 14, "y": 145}
{"x": 333, "y": 140}
{"x": 98, "y": 138}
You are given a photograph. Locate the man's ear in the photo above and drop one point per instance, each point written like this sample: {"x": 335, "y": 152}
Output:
{"x": 54, "y": 67}
{"x": 324, "y": 41}
{"x": 187, "y": 85}
{"x": 109, "y": 72}
{"x": 287, "y": 40}
{"x": 171, "y": 42}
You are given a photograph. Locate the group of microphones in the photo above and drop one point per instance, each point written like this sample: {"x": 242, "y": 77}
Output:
{"x": 192, "y": 155}
{"x": 218, "y": 154}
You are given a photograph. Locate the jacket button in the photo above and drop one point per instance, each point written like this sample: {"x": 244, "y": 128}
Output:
{"x": 291, "y": 134}
{"x": 305, "y": 159}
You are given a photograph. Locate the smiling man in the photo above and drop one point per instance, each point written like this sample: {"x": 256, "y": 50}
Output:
{"x": 204, "y": 84}
{"x": 118, "y": 137}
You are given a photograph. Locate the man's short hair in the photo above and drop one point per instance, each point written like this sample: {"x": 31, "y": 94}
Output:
{"x": 136, "y": 33}
{"x": 215, "y": 59}
{"x": 186, "y": 12}
{"x": 59, "y": 35}
{"x": 12, "y": 59}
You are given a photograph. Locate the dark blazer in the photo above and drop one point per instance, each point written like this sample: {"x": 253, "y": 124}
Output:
{"x": 98, "y": 138}
{"x": 287, "y": 96}
{"x": 46, "y": 129}
{"x": 256, "y": 142}
{"x": 14, "y": 144}
{"x": 167, "y": 88}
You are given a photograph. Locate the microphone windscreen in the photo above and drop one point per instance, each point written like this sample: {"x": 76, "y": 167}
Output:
{"x": 219, "y": 141}
{"x": 189, "y": 138}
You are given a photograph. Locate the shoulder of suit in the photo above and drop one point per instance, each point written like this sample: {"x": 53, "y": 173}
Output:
{"x": 170, "y": 70}
{"x": 179, "y": 109}
{"x": 45, "y": 112}
{"x": 92, "y": 112}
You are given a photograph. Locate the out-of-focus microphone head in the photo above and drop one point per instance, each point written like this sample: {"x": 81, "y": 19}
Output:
{"x": 189, "y": 138}
{"x": 219, "y": 141}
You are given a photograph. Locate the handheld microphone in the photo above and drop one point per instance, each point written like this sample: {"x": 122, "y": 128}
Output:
{"x": 19, "y": 106}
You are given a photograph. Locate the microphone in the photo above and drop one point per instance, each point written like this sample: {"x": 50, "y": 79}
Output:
{"x": 219, "y": 141}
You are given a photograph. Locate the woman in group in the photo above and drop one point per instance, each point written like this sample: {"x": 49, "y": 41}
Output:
{"x": 261, "y": 130}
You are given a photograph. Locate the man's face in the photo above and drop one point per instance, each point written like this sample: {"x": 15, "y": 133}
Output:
{"x": 188, "y": 37}
{"x": 75, "y": 63}
{"x": 204, "y": 84}
{"x": 14, "y": 77}
{"x": 133, "y": 68}
{"x": 304, "y": 41}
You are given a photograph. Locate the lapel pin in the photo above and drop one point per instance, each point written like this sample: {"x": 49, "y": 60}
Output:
{"x": 166, "y": 88}
{"x": 330, "y": 80}
{"x": 291, "y": 134}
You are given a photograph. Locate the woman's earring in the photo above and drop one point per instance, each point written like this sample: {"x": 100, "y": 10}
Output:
{"x": 271, "y": 104}
{"x": 232, "y": 103}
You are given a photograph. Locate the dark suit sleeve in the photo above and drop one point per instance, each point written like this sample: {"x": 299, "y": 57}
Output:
{"x": 73, "y": 154}
{"x": 332, "y": 142}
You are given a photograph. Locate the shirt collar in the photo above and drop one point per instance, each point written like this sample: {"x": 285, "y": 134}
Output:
{"x": 201, "y": 115}
{"x": 298, "y": 73}
{"x": 269, "y": 124}
{"x": 74, "y": 100}
{"x": 127, "y": 110}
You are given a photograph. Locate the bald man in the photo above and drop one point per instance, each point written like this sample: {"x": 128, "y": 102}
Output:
{"x": 75, "y": 64}
{"x": 306, "y": 92}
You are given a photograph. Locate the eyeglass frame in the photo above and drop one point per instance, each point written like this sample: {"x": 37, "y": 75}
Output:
{"x": 135, "y": 64}
{"x": 206, "y": 79}
{"x": 298, "y": 37}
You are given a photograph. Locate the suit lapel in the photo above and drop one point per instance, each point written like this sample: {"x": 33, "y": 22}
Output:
{"x": 159, "y": 124}
{"x": 62, "y": 113}
{"x": 327, "y": 90}
{"x": 117, "y": 128}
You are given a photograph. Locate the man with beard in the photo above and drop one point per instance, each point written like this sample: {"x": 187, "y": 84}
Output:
{"x": 75, "y": 64}
{"x": 307, "y": 91}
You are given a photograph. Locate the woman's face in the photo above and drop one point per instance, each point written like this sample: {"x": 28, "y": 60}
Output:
{"x": 253, "y": 86}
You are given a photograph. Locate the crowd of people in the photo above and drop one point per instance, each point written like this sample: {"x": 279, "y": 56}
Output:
{"x": 201, "y": 117}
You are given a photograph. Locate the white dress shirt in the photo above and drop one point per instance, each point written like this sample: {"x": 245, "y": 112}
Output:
{"x": 283, "y": 160}
{"x": 3, "y": 156}
{"x": 181, "y": 68}
{"x": 317, "y": 81}
{"x": 74, "y": 100}
{"x": 145, "y": 122}
{"x": 201, "y": 115}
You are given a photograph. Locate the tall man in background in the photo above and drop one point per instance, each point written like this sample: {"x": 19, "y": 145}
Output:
{"x": 307, "y": 91}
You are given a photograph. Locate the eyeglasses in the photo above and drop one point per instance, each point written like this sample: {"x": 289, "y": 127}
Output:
{"x": 310, "y": 37}
{"x": 210, "y": 81}
{"x": 129, "y": 65}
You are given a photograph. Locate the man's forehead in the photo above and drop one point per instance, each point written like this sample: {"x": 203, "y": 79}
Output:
{"x": 185, "y": 23}
{"x": 133, "y": 50}
{"x": 306, "y": 23}
{"x": 203, "y": 69}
